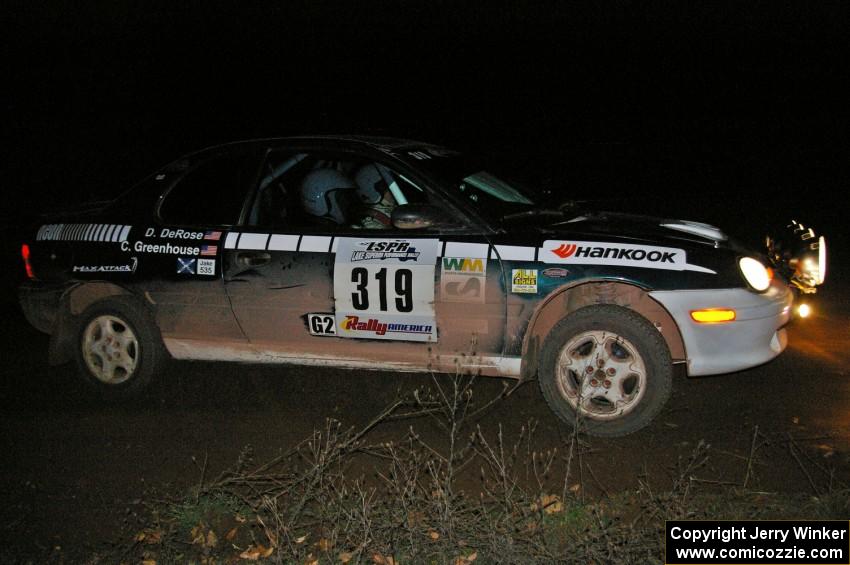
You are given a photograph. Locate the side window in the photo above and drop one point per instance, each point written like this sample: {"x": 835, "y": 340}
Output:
{"x": 328, "y": 192}
{"x": 212, "y": 193}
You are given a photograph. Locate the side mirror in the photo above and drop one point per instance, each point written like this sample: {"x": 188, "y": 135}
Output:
{"x": 418, "y": 216}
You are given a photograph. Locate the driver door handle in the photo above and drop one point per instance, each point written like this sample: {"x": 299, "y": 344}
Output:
{"x": 253, "y": 259}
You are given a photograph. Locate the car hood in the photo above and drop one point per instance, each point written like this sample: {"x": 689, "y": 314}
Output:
{"x": 636, "y": 228}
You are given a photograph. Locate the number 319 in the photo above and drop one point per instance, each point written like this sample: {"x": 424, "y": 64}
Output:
{"x": 403, "y": 289}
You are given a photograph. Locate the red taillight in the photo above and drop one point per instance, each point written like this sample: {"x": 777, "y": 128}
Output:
{"x": 25, "y": 253}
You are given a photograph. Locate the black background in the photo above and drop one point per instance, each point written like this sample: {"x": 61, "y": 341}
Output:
{"x": 736, "y": 113}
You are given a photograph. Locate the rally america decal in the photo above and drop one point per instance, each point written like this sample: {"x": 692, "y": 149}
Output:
{"x": 384, "y": 288}
{"x": 617, "y": 254}
{"x": 388, "y": 327}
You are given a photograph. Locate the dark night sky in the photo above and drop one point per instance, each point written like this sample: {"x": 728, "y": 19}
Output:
{"x": 741, "y": 104}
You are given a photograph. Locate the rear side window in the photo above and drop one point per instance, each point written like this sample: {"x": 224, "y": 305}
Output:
{"x": 213, "y": 192}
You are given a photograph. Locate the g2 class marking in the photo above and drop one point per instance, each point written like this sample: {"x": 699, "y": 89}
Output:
{"x": 321, "y": 324}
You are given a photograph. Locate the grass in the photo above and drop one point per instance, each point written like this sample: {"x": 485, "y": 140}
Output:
{"x": 303, "y": 507}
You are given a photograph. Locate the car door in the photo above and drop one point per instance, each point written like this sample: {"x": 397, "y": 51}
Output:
{"x": 179, "y": 254}
{"x": 339, "y": 293}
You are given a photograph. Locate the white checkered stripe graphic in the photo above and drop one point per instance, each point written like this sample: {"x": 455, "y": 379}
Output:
{"x": 83, "y": 232}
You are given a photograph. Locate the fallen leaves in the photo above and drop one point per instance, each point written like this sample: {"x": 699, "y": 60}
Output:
{"x": 203, "y": 536}
{"x": 324, "y": 544}
{"x": 383, "y": 560}
{"x": 255, "y": 552}
{"x": 149, "y": 536}
{"x": 549, "y": 503}
{"x": 466, "y": 560}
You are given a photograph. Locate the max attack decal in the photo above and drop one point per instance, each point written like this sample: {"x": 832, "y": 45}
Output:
{"x": 524, "y": 281}
{"x": 129, "y": 268}
{"x": 463, "y": 279}
{"x": 618, "y": 254}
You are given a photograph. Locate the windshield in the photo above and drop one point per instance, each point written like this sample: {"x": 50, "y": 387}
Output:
{"x": 491, "y": 194}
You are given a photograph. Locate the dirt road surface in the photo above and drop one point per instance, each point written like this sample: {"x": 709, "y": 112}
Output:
{"x": 75, "y": 471}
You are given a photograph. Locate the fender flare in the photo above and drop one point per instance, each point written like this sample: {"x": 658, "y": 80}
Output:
{"x": 569, "y": 298}
{"x": 72, "y": 303}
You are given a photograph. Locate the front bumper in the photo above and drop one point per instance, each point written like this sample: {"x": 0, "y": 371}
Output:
{"x": 755, "y": 337}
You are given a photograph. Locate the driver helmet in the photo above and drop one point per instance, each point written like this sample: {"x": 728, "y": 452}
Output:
{"x": 323, "y": 194}
{"x": 370, "y": 184}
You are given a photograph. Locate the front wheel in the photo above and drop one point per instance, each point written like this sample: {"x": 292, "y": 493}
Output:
{"x": 118, "y": 347}
{"x": 607, "y": 368}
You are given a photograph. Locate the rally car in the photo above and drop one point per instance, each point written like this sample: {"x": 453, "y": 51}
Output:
{"x": 377, "y": 253}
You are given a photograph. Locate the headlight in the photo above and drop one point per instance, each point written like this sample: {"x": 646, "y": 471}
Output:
{"x": 756, "y": 274}
{"x": 821, "y": 260}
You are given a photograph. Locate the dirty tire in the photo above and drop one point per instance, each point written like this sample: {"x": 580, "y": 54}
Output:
{"x": 118, "y": 347}
{"x": 610, "y": 364}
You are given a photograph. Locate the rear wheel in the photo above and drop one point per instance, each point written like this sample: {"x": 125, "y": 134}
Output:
{"x": 118, "y": 348}
{"x": 607, "y": 369}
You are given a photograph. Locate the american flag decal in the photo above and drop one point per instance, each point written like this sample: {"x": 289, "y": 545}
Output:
{"x": 209, "y": 249}
{"x": 212, "y": 235}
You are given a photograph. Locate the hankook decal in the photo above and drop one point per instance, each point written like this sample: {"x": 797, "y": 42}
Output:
{"x": 617, "y": 254}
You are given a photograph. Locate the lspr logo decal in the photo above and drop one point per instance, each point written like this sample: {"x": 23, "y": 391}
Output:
{"x": 382, "y": 250}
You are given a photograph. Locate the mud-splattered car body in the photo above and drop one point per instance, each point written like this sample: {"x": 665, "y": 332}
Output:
{"x": 223, "y": 253}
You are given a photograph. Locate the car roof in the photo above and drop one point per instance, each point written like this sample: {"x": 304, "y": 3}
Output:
{"x": 375, "y": 142}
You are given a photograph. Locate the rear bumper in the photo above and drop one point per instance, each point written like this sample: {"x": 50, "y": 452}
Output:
{"x": 40, "y": 304}
{"x": 755, "y": 337}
